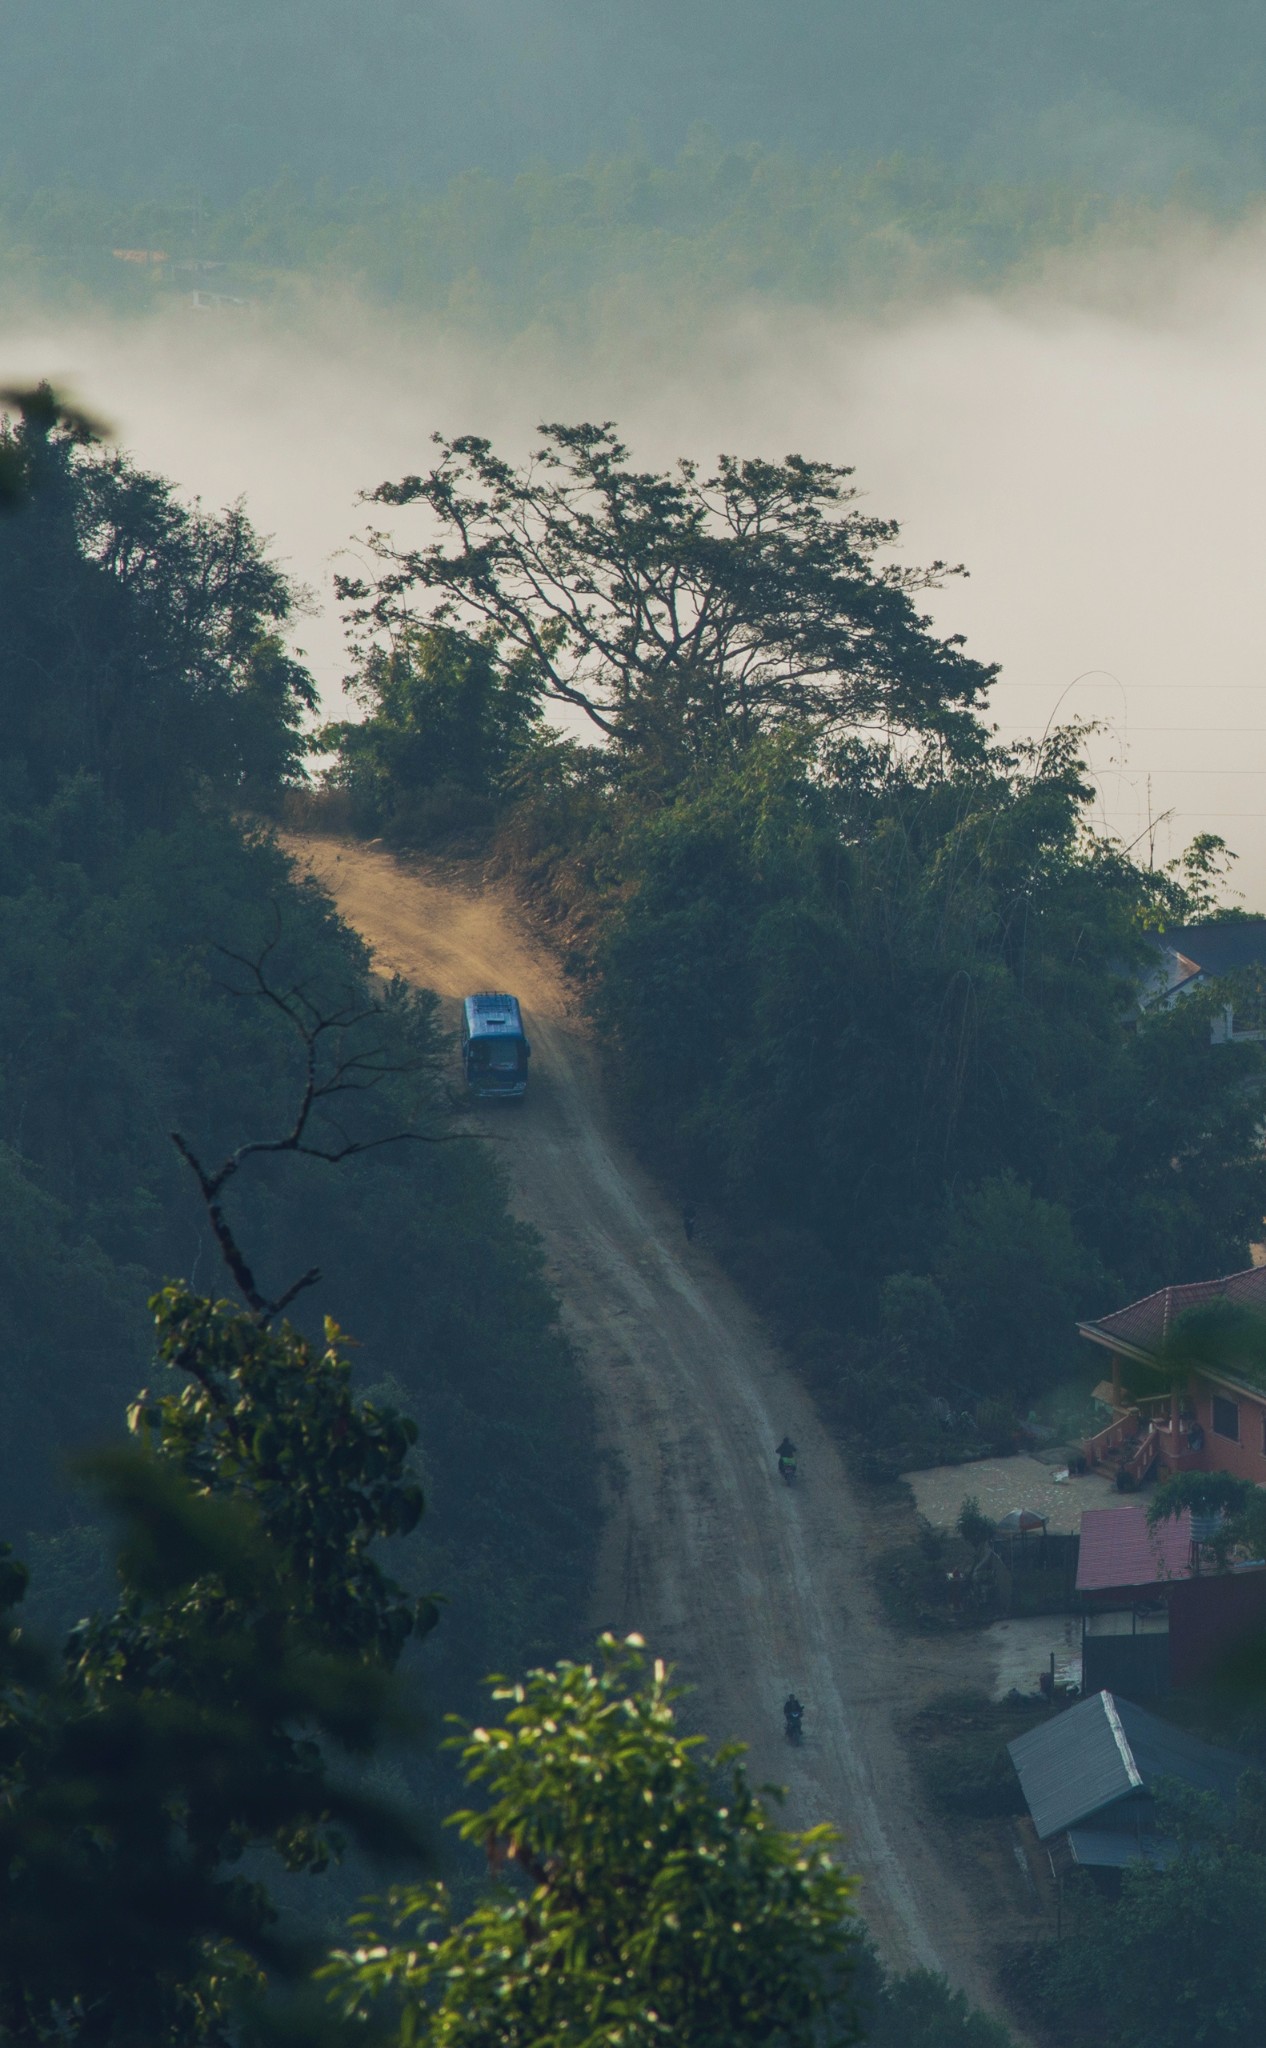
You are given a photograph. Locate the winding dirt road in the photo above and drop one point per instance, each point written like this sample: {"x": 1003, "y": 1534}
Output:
{"x": 748, "y": 1587}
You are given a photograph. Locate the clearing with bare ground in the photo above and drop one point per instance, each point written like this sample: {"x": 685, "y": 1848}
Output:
{"x": 750, "y": 1588}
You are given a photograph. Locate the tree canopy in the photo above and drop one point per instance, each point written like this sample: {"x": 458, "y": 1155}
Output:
{"x": 138, "y": 640}
{"x": 134, "y": 896}
{"x": 684, "y": 615}
{"x": 642, "y": 1901}
{"x": 444, "y": 725}
{"x": 252, "y": 1627}
{"x": 874, "y": 991}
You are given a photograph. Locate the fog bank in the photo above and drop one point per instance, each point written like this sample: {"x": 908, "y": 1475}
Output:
{"x": 1092, "y": 448}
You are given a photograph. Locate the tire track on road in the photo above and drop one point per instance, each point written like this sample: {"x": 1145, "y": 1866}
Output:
{"x": 750, "y": 1588}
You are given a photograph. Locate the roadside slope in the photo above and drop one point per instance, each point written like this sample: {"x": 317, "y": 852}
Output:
{"x": 751, "y": 1589}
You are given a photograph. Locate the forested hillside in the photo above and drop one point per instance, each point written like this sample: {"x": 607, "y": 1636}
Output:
{"x": 149, "y": 98}
{"x": 148, "y": 702}
{"x": 578, "y": 247}
{"x": 870, "y": 981}
{"x": 505, "y": 167}
{"x": 176, "y": 1762}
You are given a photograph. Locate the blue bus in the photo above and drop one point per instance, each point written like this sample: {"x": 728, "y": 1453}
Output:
{"x": 495, "y": 1050}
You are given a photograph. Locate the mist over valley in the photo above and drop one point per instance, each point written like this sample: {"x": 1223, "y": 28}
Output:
{"x": 633, "y": 1047}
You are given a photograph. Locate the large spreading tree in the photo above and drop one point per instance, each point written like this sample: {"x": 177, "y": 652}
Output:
{"x": 681, "y": 613}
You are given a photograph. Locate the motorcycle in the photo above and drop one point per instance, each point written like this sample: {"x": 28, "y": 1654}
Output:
{"x": 792, "y": 1717}
{"x": 787, "y": 1470}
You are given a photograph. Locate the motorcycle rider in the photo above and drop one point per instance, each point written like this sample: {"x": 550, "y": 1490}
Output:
{"x": 793, "y": 1715}
{"x": 786, "y": 1455}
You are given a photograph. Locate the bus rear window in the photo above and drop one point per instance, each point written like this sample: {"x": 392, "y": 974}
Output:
{"x": 503, "y": 1055}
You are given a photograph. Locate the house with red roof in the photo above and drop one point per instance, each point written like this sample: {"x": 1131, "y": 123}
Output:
{"x": 1211, "y": 1419}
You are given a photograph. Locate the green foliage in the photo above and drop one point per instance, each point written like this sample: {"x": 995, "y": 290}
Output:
{"x": 684, "y": 614}
{"x": 444, "y": 725}
{"x": 1014, "y": 1278}
{"x": 138, "y": 640}
{"x": 972, "y": 1526}
{"x": 1220, "y": 1334}
{"x": 880, "y": 1005}
{"x": 262, "y": 1418}
{"x": 123, "y": 1018}
{"x": 623, "y": 244}
{"x": 1176, "y": 1962}
{"x": 1240, "y": 1508}
{"x": 641, "y": 1903}
{"x": 926, "y": 1050}
{"x": 914, "y": 1318}
{"x": 1205, "y": 1493}
{"x": 252, "y": 1629}
{"x": 919, "y": 2009}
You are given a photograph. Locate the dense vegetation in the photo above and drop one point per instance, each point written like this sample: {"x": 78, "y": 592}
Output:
{"x": 1177, "y": 1958}
{"x": 221, "y": 1721}
{"x": 222, "y": 98}
{"x": 147, "y": 699}
{"x": 869, "y": 982}
{"x": 875, "y": 996}
{"x": 533, "y": 166}
{"x": 209, "y": 1707}
{"x": 579, "y": 249}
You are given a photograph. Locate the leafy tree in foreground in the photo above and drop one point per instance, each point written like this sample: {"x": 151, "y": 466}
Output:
{"x": 640, "y": 1901}
{"x": 253, "y": 1628}
{"x": 683, "y": 614}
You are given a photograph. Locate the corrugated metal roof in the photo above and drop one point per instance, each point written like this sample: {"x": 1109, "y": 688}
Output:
{"x": 1162, "y": 1751}
{"x": 1074, "y": 1765}
{"x": 1118, "y": 1549}
{"x": 1104, "y": 1750}
{"x": 1109, "y": 1849}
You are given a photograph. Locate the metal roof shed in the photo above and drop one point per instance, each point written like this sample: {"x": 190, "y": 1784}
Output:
{"x": 1106, "y": 1755}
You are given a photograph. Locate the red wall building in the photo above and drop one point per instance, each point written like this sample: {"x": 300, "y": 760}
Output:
{"x": 1215, "y": 1422}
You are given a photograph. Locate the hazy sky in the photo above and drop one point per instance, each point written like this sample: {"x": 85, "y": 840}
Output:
{"x": 1094, "y": 451}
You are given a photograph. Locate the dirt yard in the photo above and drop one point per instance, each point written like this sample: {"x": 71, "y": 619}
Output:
{"x": 749, "y": 1587}
{"x": 1000, "y": 1484}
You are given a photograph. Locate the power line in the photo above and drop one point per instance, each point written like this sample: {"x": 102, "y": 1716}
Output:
{"x": 1214, "y": 731}
{"x": 1189, "y": 688}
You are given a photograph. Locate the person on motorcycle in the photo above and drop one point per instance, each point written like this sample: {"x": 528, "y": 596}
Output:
{"x": 793, "y": 1715}
{"x": 786, "y": 1458}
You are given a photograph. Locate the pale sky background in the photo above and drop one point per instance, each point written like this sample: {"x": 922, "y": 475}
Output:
{"x": 1093, "y": 448}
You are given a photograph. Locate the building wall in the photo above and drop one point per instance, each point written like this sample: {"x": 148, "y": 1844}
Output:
{"x": 1211, "y": 1616}
{"x": 1137, "y": 1667}
{"x": 1245, "y": 1457}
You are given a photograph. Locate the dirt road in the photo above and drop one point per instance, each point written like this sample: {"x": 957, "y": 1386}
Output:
{"x": 749, "y": 1587}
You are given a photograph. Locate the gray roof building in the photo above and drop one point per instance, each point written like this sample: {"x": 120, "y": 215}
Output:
{"x": 1095, "y": 1769}
{"x": 1193, "y": 955}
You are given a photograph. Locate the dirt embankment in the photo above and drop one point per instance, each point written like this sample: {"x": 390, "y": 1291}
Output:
{"x": 750, "y": 1588}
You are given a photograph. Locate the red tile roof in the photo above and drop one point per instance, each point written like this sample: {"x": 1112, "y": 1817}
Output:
{"x": 1118, "y": 1549}
{"x": 1146, "y": 1324}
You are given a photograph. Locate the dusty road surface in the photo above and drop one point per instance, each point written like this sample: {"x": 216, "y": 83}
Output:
{"x": 751, "y": 1588}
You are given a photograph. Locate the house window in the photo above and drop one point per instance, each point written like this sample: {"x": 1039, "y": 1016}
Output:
{"x": 1226, "y": 1418}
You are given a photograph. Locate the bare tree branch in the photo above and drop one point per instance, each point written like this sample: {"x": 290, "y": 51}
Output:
{"x": 327, "y": 1077}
